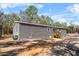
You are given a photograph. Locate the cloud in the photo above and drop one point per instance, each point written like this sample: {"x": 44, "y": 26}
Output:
{"x": 8, "y": 5}
{"x": 76, "y": 23}
{"x": 62, "y": 20}
{"x": 74, "y": 8}
{"x": 58, "y": 18}
{"x": 71, "y": 14}
{"x": 46, "y": 14}
{"x": 13, "y": 5}
{"x": 39, "y": 6}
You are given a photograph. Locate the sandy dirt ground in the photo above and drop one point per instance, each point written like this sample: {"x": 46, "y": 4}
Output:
{"x": 9, "y": 47}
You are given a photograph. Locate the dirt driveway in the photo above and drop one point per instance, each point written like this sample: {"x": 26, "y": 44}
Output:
{"x": 9, "y": 47}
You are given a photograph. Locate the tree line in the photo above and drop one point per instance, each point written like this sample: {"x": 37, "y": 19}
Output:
{"x": 31, "y": 15}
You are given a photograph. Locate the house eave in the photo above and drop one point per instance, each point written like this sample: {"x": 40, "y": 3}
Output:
{"x": 39, "y": 25}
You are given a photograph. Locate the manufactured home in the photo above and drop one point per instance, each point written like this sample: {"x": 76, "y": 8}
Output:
{"x": 24, "y": 31}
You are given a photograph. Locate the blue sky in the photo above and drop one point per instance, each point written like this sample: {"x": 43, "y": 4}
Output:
{"x": 63, "y": 12}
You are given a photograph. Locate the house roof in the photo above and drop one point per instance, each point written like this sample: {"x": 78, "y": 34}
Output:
{"x": 39, "y": 25}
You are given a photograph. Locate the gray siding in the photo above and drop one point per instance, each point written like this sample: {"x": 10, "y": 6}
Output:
{"x": 63, "y": 32}
{"x": 29, "y": 31}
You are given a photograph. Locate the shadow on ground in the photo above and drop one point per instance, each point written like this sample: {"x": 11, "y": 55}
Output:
{"x": 55, "y": 48}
